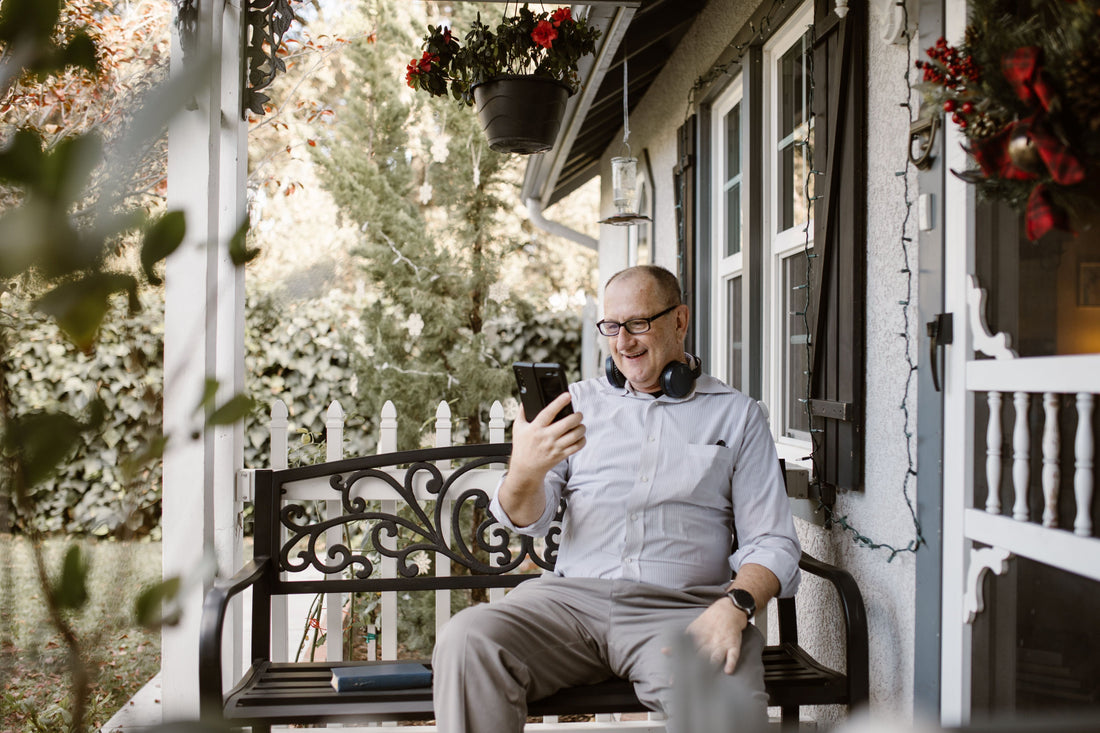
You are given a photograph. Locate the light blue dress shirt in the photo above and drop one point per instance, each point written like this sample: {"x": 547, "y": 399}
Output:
{"x": 662, "y": 484}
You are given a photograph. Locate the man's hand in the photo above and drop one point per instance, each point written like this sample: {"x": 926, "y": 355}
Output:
{"x": 538, "y": 446}
{"x": 717, "y": 633}
{"x": 541, "y": 444}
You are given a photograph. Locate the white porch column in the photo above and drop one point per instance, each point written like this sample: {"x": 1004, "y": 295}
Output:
{"x": 203, "y": 338}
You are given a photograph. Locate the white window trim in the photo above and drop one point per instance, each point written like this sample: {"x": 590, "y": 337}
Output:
{"x": 779, "y": 245}
{"x": 725, "y": 268}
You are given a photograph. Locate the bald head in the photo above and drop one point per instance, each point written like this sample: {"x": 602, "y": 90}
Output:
{"x": 663, "y": 281}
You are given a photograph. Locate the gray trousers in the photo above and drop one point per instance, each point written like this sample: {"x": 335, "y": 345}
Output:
{"x": 551, "y": 633}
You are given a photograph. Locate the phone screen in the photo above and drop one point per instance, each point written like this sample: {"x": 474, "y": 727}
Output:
{"x": 538, "y": 385}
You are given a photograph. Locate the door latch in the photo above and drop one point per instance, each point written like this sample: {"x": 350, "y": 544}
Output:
{"x": 940, "y": 333}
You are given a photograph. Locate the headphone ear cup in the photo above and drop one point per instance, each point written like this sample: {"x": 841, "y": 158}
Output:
{"x": 677, "y": 379}
{"x": 613, "y": 374}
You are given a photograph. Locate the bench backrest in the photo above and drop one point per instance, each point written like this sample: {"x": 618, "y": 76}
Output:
{"x": 347, "y": 519}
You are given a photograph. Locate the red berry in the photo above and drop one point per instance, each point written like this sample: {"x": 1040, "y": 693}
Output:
{"x": 949, "y": 105}
{"x": 967, "y": 108}
{"x": 957, "y": 119}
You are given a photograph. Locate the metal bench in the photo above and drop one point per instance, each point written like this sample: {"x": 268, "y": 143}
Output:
{"x": 435, "y": 485}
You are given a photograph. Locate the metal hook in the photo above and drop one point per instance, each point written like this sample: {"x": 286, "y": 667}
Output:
{"x": 923, "y": 132}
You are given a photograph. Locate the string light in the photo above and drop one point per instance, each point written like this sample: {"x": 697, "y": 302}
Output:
{"x": 910, "y": 470}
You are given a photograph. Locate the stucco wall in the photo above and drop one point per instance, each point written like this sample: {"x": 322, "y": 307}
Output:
{"x": 880, "y": 512}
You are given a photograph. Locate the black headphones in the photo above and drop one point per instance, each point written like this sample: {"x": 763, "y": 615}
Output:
{"x": 677, "y": 378}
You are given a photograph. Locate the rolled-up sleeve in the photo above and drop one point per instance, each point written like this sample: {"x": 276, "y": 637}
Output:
{"x": 761, "y": 510}
{"x": 552, "y": 487}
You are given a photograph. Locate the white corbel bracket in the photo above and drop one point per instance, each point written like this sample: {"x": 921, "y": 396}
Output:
{"x": 988, "y": 559}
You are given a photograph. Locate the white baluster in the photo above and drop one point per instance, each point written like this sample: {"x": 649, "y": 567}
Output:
{"x": 496, "y": 435}
{"x": 278, "y": 428}
{"x": 443, "y": 426}
{"x": 387, "y": 429}
{"x": 334, "y": 602}
{"x": 1052, "y": 473}
{"x": 387, "y": 443}
{"x": 993, "y": 438}
{"x": 1021, "y": 455}
{"x": 496, "y": 422}
{"x": 1082, "y": 478}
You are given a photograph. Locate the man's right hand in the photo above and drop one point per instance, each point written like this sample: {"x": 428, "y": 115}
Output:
{"x": 538, "y": 446}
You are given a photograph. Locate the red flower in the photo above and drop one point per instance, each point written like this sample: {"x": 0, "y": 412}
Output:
{"x": 544, "y": 34}
{"x": 561, "y": 15}
{"x": 446, "y": 36}
{"x": 421, "y": 66}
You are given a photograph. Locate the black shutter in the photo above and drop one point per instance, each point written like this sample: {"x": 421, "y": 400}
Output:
{"x": 836, "y": 316}
{"x": 685, "y": 200}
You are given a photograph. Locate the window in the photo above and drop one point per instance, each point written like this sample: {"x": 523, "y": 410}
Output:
{"x": 764, "y": 281}
{"x": 726, "y": 131}
{"x": 639, "y": 248}
{"x": 759, "y": 229}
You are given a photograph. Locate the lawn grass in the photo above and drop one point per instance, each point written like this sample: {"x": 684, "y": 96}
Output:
{"x": 33, "y": 658}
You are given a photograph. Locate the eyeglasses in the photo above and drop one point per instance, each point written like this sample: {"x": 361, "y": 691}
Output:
{"x": 633, "y": 326}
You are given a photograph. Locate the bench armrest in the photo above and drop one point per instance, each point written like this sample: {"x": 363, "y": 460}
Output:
{"x": 214, "y": 608}
{"x": 855, "y": 624}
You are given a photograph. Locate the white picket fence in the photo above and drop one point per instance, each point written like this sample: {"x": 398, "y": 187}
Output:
{"x": 291, "y": 614}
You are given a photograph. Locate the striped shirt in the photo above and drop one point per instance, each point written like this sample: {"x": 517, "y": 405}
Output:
{"x": 661, "y": 486}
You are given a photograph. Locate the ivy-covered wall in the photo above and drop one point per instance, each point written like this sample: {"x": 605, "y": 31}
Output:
{"x": 302, "y": 353}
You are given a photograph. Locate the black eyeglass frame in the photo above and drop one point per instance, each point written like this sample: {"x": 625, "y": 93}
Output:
{"x": 633, "y": 330}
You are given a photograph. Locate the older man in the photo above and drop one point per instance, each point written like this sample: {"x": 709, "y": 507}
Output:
{"x": 662, "y": 468}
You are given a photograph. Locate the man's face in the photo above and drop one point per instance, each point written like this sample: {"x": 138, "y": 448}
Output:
{"x": 641, "y": 357}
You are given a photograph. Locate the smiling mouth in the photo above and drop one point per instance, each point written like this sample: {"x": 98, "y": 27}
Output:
{"x": 634, "y": 356}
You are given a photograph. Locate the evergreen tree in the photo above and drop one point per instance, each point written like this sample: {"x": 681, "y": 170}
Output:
{"x": 417, "y": 178}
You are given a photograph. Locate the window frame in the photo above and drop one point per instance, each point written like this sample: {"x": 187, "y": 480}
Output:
{"x": 764, "y": 251}
{"x": 781, "y": 245}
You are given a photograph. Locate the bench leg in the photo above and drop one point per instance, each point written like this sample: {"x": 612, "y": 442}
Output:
{"x": 789, "y": 716}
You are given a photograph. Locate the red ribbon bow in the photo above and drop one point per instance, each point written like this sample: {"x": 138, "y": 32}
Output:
{"x": 1022, "y": 69}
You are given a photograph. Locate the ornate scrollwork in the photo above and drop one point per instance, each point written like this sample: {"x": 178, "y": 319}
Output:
{"x": 187, "y": 26}
{"x": 267, "y": 21}
{"x": 403, "y": 536}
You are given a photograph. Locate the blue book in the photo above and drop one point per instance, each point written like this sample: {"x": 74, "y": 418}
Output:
{"x": 388, "y": 676}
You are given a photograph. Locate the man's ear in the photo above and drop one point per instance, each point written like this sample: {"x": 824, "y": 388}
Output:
{"x": 683, "y": 319}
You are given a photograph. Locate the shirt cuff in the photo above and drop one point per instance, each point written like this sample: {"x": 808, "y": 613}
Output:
{"x": 777, "y": 554}
{"x": 536, "y": 529}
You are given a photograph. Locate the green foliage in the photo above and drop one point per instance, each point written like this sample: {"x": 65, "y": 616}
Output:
{"x": 434, "y": 253}
{"x": 79, "y": 478}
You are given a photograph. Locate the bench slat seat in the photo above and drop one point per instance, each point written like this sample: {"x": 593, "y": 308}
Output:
{"x": 300, "y": 692}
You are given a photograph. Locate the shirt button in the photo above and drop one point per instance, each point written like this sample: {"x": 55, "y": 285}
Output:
{"x": 644, "y": 479}
{"x": 634, "y": 517}
{"x": 652, "y": 439}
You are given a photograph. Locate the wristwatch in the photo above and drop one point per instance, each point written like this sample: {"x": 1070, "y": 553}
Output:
{"x": 743, "y": 600}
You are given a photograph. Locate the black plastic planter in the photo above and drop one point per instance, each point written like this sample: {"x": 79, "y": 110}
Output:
{"x": 521, "y": 114}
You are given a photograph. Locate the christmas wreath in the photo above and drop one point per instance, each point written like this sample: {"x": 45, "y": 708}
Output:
{"x": 1024, "y": 88}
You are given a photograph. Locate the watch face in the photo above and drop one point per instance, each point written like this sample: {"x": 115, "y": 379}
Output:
{"x": 743, "y": 600}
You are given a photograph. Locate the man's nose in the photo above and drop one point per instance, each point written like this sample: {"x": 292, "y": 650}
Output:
{"x": 623, "y": 339}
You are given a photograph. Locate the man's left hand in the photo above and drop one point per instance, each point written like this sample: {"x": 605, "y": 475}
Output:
{"x": 717, "y": 633}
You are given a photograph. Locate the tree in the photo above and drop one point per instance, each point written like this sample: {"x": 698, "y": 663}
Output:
{"x": 433, "y": 206}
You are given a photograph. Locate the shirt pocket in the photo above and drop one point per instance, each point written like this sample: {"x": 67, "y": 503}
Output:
{"x": 695, "y": 498}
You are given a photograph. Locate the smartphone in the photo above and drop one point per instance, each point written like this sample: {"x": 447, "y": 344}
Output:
{"x": 538, "y": 385}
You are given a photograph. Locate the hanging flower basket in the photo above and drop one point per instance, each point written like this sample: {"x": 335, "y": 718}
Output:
{"x": 521, "y": 114}
{"x": 519, "y": 76}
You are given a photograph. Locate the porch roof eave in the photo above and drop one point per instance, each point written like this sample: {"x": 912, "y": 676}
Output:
{"x": 594, "y": 115}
